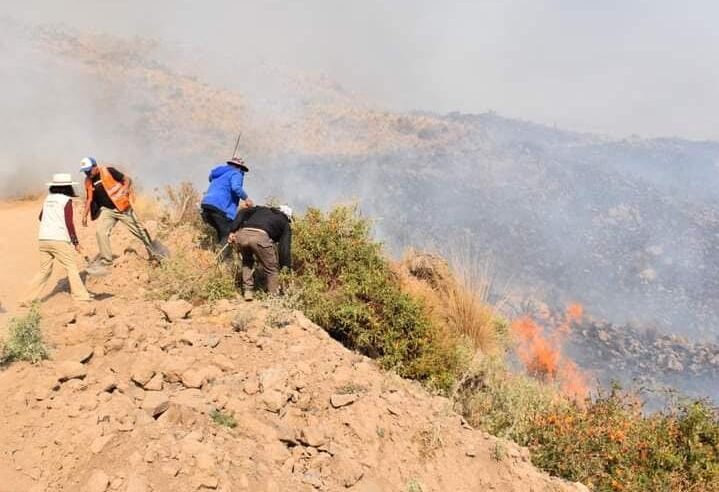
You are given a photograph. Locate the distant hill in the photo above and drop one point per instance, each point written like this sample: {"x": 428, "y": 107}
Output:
{"x": 628, "y": 227}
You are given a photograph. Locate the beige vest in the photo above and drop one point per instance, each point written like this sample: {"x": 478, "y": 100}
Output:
{"x": 52, "y": 225}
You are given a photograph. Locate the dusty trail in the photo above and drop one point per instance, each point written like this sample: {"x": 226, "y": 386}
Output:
{"x": 18, "y": 252}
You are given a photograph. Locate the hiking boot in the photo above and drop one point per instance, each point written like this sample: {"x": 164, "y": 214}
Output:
{"x": 248, "y": 296}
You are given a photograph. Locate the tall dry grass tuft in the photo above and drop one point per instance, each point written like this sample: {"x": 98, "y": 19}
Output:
{"x": 455, "y": 303}
{"x": 468, "y": 315}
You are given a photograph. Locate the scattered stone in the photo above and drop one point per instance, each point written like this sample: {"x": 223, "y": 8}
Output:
{"x": 339, "y": 401}
{"x": 251, "y": 386}
{"x": 313, "y": 437}
{"x": 471, "y": 452}
{"x": 207, "y": 482}
{"x": 68, "y": 370}
{"x": 176, "y": 310}
{"x": 213, "y": 341}
{"x": 191, "y": 337}
{"x": 223, "y": 362}
{"x": 347, "y": 471}
{"x": 193, "y": 378}
{"x": 274, "y": 400}
{"x": 76, "y": 353}
{"x": 155, "y": 403}
{"x": 99, "y": 443}
{"x": 136, "y": 484}
{"x": 98, "y": 482}
{"x": 171, "y": 468}
{"x": 156, "y": 383}
{"x": 141, "y": 373}
{"x": 312, "y": 477}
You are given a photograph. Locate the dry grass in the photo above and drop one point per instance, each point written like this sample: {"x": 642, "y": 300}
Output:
{"x": 468, "y": 315}
{"x": 455, "y": 303}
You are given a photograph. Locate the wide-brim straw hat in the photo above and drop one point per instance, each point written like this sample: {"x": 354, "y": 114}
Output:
{"x": 239, "y": 162}
{"x": 62, "y": 179}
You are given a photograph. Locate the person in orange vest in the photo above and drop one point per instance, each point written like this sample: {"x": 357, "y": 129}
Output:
{"x": 108, "y": 201}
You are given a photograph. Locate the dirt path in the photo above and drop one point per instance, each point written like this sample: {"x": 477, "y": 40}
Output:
{"x": 18, "y": 252}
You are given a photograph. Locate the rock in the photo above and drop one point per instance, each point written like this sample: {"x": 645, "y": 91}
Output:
{"x": 156, "y": 383}
{"x": 98, "y": 482}
{"x": 674, "y": 364}
{"x": 193, "y": 378}
{"x": 251, "y": 386}
{"x": 99, "y": 443}
{"x": 312, "y": 477}
{"x": 206, "y": 482}
{"x": 108, "y": 384}
{"x": 205, "y": 461}
{"x": 274, "y": 400}
{"x": 191, "y": 337}
{"x": 155, "y": 403}
{"x": 176, "y": 310}
{"x": 76, "y": 353}
{"x": 141, "y": 372}
{"x": 68, "y": 370}
{"x": 471, "y": 452}
{"x": 273, "y": 378}
{"x": 191, "y": 398}
{"x": 172, "y": 468}
{"x": 311, "y": 436}
{"x": 136, "y": 483}
{"x": 367, "y": 485}
{"x": 347, "y": 471}
{"x": 223, "y": 362}
{"x": 213, "y": 341}
{"x": 339, "y": 401}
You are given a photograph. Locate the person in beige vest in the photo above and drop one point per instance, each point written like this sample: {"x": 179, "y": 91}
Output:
{"x": 58, "y": 241}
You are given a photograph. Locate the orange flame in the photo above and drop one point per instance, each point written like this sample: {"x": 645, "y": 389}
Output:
{"x": 542, "y": 355}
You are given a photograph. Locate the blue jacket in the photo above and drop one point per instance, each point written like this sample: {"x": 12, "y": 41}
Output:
{"x": 225, "y": 191}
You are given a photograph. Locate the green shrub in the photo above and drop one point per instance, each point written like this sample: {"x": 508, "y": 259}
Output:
{"x": 25, "y": 339}
{"x": 345, "y": 284}
{"x": 608, "y": 443}
{"x": 223, "y": 419}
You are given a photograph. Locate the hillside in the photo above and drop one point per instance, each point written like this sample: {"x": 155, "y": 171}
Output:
{"x": 628, "y": 227}
{"x": 124, "y": 403}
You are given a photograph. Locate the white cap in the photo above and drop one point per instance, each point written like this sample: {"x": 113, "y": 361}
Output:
{"x": 285, "y": 209}
{"x": 87, "y": 163}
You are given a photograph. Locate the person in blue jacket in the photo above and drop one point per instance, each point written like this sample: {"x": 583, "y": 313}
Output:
{"x": 220, "y": 203}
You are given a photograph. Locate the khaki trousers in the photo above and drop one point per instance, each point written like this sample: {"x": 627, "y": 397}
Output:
{"x": 256, "y": 243}
{"x": 64, "y": 253}
{"x": 106, "y": 222}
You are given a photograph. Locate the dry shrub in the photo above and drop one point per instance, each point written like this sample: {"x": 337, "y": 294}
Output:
{"x": 191, "y": 273}
{"x": 452, "y": 303}
{"x": 182, "y": 206}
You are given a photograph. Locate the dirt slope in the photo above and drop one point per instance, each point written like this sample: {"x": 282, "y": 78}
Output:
{"x": 132, "y": 410}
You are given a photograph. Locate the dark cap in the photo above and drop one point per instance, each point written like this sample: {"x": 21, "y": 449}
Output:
{"x": 239, "y": 162}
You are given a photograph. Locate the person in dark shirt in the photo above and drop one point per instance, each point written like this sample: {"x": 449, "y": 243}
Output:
{"x": 255, "y": 231}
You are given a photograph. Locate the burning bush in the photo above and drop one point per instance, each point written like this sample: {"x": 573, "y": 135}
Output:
{"x": 542, "y": 355}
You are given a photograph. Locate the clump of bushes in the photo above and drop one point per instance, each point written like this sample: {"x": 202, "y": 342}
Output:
{"x": 345, "y": 284}
{"x": 24, "y": 340}
{"x": 610, "y": 444}
{"x": 607, "y": 443}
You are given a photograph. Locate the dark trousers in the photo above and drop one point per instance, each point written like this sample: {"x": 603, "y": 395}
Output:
{"x": 214, "y": 218}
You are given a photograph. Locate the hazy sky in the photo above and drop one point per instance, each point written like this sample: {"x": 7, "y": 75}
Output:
{"x": 614, "y": 66}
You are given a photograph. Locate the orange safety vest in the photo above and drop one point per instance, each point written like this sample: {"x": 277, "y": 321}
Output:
{"x": 120, "y": 198}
